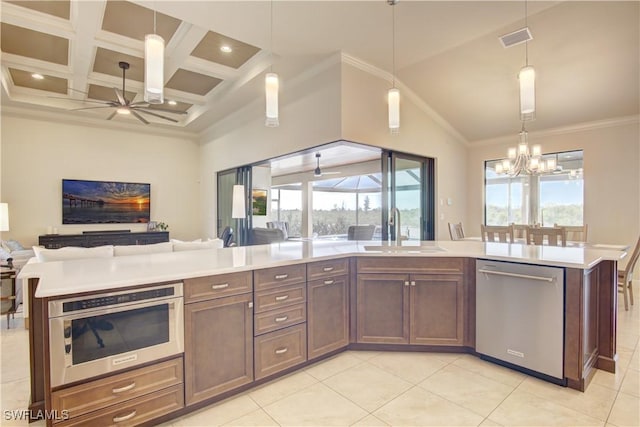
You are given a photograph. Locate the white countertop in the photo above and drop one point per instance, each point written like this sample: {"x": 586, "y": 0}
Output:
{"x": 98, "y": 274}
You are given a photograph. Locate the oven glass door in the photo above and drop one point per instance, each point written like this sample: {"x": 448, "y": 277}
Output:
{"x": 98, "y": 336}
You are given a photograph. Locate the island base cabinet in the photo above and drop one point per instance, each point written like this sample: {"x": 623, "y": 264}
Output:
{"x": 436, "y": 313}
{"x": 328, "y": 315}
{"x": 218, "y": 346}
{"x": 279, "y": 350}
{"x": 133, "y": 412}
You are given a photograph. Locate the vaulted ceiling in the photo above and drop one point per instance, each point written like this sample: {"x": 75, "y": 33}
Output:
{"x": 587, "y": 55}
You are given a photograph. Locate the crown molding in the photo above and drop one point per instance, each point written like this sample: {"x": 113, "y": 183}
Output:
{"x": 60, "y": 117}
{"x": 406, "y": 92}
{"x": 562, "y": 130}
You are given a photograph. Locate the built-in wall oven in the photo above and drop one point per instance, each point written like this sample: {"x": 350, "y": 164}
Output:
{"x": 97, "y": 334}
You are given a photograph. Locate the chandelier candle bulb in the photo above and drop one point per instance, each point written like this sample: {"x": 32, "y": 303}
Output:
{"x": 523, "y": 149}
{"x": 536, "y": 150}
{"x": 543, "y": 166}
{"x": 551, "y": 164}
{"x": 271, "y": 90}
{"x": 512, "y": 153}
{"x": 394, "y": 111}
{"x": 534, "y": 163}
{"x": 154, "y": 69}
{"x": 506, "y": 165}
{"x": 499, "y": 168}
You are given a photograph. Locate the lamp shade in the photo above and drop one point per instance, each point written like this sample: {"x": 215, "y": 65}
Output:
{"x": 153, "y": 69}
{"x": 394, "y": 110}
{"x": 238, "y": 205}
{"x": 4, "y": 217}
{"x": 527, "y": 78}
{"x": 271, "y": 85}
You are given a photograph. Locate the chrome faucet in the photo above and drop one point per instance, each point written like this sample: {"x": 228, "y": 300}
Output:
{"x": 394, "y": 221}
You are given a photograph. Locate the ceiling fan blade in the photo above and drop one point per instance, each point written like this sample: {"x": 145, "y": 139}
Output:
{"x": 139, "y": 104}
{"x": 112, "y": 115}
{"x": 83, "y": 100}
{"x": 156, "y": 115}
{"x": 139, "y": 117}
{"x": 120, "y": 96}
{"x": 91, "y": 108}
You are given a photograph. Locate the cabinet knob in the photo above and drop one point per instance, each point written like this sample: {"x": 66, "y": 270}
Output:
{"x": 406, "y": 283}
{"x": 250, "y": 305}
{"x": 413, "y": 283}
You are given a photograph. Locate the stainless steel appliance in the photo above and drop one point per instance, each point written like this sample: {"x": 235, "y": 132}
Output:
{"x": 97, "y": 334}
{"x": 520, "y": 316}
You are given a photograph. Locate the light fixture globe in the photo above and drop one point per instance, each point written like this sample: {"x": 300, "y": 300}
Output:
{"x": 153, "y": 69}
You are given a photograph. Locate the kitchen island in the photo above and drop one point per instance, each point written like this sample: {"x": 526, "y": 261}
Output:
{"x": 290, "y": 303}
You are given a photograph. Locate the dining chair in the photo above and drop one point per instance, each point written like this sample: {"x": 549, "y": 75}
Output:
{"x": 575, "y": 233}
{"x": 552, "y": 236}
{"x": 625, "y": 276}
{"x": 499, "y": 233}
{"x": 519, "y": 230}
{"x": 456, "y": 231}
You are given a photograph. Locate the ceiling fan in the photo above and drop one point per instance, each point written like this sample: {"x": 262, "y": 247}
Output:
{"x": 124, "y": 106}
{"x": 317, "y": 172}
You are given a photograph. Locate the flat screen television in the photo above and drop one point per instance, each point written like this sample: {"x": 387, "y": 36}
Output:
{"x": 105, "y": 202}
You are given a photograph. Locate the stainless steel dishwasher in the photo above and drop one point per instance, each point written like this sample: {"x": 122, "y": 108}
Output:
{"x": 520, "y": 317}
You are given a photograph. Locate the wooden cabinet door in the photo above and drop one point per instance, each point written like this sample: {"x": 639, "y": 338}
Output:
{"x": 383, "y": 308}
{"x": 327, "y": 315}
{"x": 218, "y": 345}
{"x": 437, "y": 304}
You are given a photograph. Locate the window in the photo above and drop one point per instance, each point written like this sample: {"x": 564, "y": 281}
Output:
{"x": 556, "y": 198}
{"x": 286, "y": 205}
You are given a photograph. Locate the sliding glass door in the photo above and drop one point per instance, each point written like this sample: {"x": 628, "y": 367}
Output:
{"x": 408, "y": 191}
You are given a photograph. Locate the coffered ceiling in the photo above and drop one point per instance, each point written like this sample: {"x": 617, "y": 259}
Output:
{"x": 447, "y": 53}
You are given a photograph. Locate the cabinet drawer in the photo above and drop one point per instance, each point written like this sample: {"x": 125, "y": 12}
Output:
{"x": 278, "y": 276}
{"x": 411, "y": 265}
{"x": 117, "y": 388}
{"x": 321, "y": 269}
{"x": 133, "y": 412}
{"x": 223, "y": 285}
{"x": 279, "y": 350}
{"x": 280, "y": 297}
{"x": 273, "y": 320}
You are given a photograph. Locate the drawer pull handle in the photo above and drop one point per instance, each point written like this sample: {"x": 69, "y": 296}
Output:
{"x": 123, "y": 389}
{"x": 281, "y": 319}
{"x": 282, "y": 297}
{"x": 281, "y": 276}
{"x": 125, "y": 417}
{"x": 222, "y": 286}
{"x": 329, "y": 282}
{"x": 327, "y": 269}
{"x": 282, "y": 350}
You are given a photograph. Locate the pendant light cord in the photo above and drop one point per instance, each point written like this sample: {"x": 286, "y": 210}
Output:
{"x": 393, "y": 42}
{"x": 271, "y": 34}
{"x": 526, "y": 43}
{"x": 154, "y": 23}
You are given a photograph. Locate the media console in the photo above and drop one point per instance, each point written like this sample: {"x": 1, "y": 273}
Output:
{"x": 89, "y": 240}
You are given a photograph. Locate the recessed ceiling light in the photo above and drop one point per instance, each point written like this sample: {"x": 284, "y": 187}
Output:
{"x": 37, "y": 76}
{"x": 226, "y": 49}
{"x": 172, "y": 102}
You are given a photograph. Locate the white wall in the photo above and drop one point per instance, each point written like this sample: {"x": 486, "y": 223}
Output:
{"x": 611, "y": 174}
{"x": 365, "y": 119}
{"x": 38, "y": 154}
{"x": 309, "y": 116}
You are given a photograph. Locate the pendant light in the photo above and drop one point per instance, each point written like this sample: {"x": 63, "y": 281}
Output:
{"x": 153, "y": 66}
{"x": 271, "y": 86}
{"x": 527, "y": 79}
{"x": 393, "y": 96}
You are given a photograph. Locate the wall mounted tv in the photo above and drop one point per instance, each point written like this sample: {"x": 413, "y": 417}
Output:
{"x": 105, "y": 202}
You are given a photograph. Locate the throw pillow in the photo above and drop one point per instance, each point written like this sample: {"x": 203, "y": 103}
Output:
{"x": 13, "y": 245}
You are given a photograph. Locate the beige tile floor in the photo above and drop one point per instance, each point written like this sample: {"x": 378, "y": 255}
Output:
{"x": 399, "y": 389}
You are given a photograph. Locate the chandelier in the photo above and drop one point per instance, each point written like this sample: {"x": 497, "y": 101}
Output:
{"x": 521, "y": 159}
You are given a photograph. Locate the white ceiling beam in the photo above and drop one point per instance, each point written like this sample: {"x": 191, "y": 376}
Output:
{"x": 179, "y": 48}
{"x": 87, "y": 19}
{"x": 36, "y": 21}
